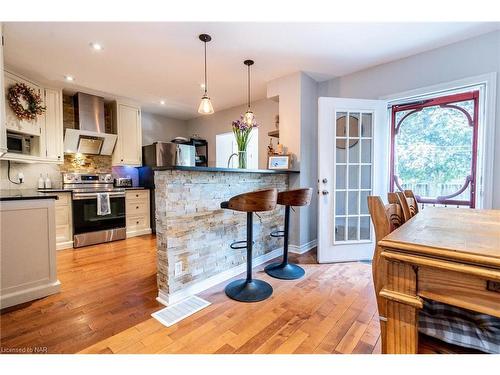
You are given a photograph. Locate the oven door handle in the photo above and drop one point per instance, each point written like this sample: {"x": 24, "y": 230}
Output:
{"x": 79, "y": 196}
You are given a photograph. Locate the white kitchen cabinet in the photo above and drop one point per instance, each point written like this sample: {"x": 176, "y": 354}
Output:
{"x": 12, "y": 123}
{"x": 28, "y": 256}
{"x": 137, "y": 212}
{"x": 3, "y": 131}
{"x": 46, "y": 131}
{"x": 127, "y": 125}
{"x": 64, "y": 221}
{"x": 54, "y": 145}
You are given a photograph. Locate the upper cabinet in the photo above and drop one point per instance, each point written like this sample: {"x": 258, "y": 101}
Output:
{"x": 45, "y": 133}
{"x": 127, "y": 125}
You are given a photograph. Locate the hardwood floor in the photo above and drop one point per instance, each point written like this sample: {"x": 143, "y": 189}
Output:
{"x": 105, "y": 289}
{"x": 109, "y": 292}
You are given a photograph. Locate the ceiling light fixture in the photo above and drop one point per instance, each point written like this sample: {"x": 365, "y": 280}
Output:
{"x": 69, "y": 78}
{"x": 205, "y": 107}
{"x": 96, "y": 46}
{"x": 162, "y": 102}
{"x": 248, "y": 117}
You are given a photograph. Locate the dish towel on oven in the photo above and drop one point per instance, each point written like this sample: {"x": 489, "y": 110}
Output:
{"x": 103, "y": 205}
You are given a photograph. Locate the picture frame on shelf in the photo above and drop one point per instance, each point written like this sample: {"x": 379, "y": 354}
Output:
{"x": 279, "y": 162}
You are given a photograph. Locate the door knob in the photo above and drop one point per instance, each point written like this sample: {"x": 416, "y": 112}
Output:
{"x": 325, "y": 180}
{"x": 325, "y": 192}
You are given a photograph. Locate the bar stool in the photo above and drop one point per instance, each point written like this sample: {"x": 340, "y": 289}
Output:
{"x": 285, "y": 270}
{"x": 249, "y": 289}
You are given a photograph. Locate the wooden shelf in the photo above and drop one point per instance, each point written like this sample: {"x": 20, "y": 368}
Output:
{"x": 274, "y": 133}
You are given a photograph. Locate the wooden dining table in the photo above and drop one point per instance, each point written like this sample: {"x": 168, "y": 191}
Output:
{"x": 447, "y": 255}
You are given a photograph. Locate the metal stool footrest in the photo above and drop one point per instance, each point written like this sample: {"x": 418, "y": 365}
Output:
{"x": 237, "y": 244}
{"x": 278, "y": 233}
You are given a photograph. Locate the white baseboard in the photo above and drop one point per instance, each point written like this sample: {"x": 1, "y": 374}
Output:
{"x": 302, "y": 248}
{"x": 166, "y": 299}
{"x": 64, "y": 245}
{"x": 29, "y": 294}
{"x": 140, "y": 232}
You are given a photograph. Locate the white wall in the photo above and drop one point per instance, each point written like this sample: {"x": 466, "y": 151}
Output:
{"x": 161, "y": 128}
{"x": 298, "y": 110}
{"x": 207, "y": 127}
{"x": 468, "y": 58}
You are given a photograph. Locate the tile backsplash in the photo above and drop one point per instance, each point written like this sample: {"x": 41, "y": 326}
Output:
{"x": 80, "y": 163}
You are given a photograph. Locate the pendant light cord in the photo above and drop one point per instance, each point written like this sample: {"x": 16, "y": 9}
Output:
{"x": 248, "y": 86}
{"x": 205, "y": 68}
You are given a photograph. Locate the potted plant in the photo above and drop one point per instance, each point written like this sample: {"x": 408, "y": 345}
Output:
{"x": 243, "y": 132}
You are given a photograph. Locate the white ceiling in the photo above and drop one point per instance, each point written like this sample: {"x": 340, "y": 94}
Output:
{"x": 148, "y": 62}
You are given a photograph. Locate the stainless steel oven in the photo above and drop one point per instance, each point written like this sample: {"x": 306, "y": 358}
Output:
{"x": 89, "y": 228}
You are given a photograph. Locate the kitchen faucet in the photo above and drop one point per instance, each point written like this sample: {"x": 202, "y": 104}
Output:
{"x": 229, "y": 160}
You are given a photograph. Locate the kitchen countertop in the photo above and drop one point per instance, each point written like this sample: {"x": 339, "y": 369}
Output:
{"x": 24, "y": 194}
{"x": 61, "y": 190}
{"x": 218, "y": 169}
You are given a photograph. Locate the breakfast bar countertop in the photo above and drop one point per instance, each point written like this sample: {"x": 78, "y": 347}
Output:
{"x": 220, "y": 169}
{"x": 24, "y": 194}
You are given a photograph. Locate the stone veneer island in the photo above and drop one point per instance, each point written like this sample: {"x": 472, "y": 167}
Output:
{"x": 191, "y": 228}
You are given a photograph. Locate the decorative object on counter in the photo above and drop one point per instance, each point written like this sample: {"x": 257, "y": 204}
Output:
{"x": 48, "y": 183}
{"x": 279, "y": 162}
{"x": 205, "y": 107}
{"x": 270, "y": 147}
{"x": 280, "y": 149}
{"x": 19, "y": 95}
{"x": 249, "y": 117}
{"x": 242, "y": 132}
{"x": 41, "y": 182}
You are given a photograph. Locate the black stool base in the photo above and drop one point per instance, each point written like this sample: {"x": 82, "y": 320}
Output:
{"x": 245, "y": 291}
{"x": 287, "y": 271}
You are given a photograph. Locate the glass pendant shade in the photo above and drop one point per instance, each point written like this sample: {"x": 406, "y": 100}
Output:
{"x": 248, "y": 118}
{"x": 205, "y": 107}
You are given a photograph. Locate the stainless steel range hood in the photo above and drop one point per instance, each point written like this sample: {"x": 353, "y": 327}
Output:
{"x": 89, "y": 135}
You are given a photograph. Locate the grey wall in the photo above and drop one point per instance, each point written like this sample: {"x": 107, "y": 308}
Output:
{"x": 468, "y": 58}
{"x": 161, "y": 128}
{"x": 207, "y": 127}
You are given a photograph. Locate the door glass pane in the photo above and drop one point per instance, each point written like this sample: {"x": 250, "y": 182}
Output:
{"x": 353, "y": 203}
{"x": 352, "y": 228}
{"x": 366, "y": 171}
{"x": 366, "y": 125}
{"x": 340, "y": 229}
{"x": 340, "y": 198}
{"x": 341, "y": 130}
{"x": 363, "y": 202}
{"x": 366, "y": 151}
{"x": 340, "y": 177}
{"x": 340, "y": 152}
{"x": 354, "y": 177}
{"x": 364, "y": 228}
{"x": 353, "y": 125}
{"x": 354, "y": 152}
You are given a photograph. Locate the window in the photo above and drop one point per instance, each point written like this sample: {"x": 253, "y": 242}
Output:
{"x": 434, "y": 148}
{"x": 353, "y": 175}
{"x": 225, "y": 146}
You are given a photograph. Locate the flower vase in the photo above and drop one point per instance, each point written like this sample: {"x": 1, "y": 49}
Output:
{"x": 242, "y": 159}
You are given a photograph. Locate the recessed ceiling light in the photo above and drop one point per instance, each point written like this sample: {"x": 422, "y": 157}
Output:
{"x": 162, "y": 102}
{"x": 69, "y": 78}
{"x": 96, "y": 46}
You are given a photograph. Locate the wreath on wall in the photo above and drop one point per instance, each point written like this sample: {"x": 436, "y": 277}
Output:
{"x": 32, "y": 105}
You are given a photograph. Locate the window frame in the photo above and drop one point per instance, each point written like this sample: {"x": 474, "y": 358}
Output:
{"x": 441, "y": 101}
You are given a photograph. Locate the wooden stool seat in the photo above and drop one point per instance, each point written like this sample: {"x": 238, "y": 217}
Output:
{"x": 249, "y": 289}
{"x": 285, "y": 270}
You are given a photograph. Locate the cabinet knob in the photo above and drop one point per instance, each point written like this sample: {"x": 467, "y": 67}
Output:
{"x": 136, "y": 207}
{"x": 137, "y": 222}
{"x": 137, "y": 195}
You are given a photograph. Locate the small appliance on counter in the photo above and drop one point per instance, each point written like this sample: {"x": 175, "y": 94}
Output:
{"x": 123, "y": 182}
{"x": 168, "y": 154}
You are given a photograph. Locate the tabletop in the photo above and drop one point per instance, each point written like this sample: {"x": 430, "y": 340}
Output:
{"x": 466, "y": 235}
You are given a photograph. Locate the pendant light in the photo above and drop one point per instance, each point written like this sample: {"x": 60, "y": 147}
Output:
{"x": 205, "y": 107}
{"x": 248, "y": 117}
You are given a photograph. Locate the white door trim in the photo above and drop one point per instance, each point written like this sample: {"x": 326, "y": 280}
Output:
{"x": 486, "y": 83}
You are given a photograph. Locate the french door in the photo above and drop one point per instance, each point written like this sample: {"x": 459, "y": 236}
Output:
{"x": 353, "y": 150}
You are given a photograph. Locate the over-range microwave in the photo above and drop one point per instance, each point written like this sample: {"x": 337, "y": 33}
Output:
{"x": 19, "y": 143}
